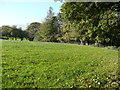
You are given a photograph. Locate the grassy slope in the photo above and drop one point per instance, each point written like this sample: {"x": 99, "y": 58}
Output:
{"x": 45, "y": 65}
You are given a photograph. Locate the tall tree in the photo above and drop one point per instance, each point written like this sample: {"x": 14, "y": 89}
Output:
{"x": 48, "y": 31}
{"x": 32, "y": 29}
{"x": 92, "y": 26}
{"x": 50, "y": 13}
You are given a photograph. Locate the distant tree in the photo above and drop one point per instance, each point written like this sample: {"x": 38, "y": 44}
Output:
{"x": 22, "y": 34}
{"x": 14, "y": 32}
{"x": 5, "y": 31}
{"x": 60, "y": 23}
{"x": 32, "y": 29}
{"x": 48, "y": 31}
{"x": 25, "y": 34}
{"x": 51, "y": 28}
{"x": 50, "y": 14}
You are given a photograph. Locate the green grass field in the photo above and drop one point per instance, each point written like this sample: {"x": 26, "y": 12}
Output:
{"x": 55, "y": 65}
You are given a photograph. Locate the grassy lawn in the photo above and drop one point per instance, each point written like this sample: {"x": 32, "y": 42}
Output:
{"x": 54, "y": 65}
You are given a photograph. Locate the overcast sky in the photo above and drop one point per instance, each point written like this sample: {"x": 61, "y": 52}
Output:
{"x": 23, "y": 12}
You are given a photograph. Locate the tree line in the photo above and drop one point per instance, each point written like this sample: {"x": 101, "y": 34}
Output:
{"x": 13, "y": 32}
{"x": 81, "y": 22}
{"x": 91, "y": 22}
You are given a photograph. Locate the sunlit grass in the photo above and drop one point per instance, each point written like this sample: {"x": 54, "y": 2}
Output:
{"x": 44, "y": 65}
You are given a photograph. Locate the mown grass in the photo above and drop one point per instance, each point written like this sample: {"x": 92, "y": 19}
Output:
{"x": 52, "y": 65}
